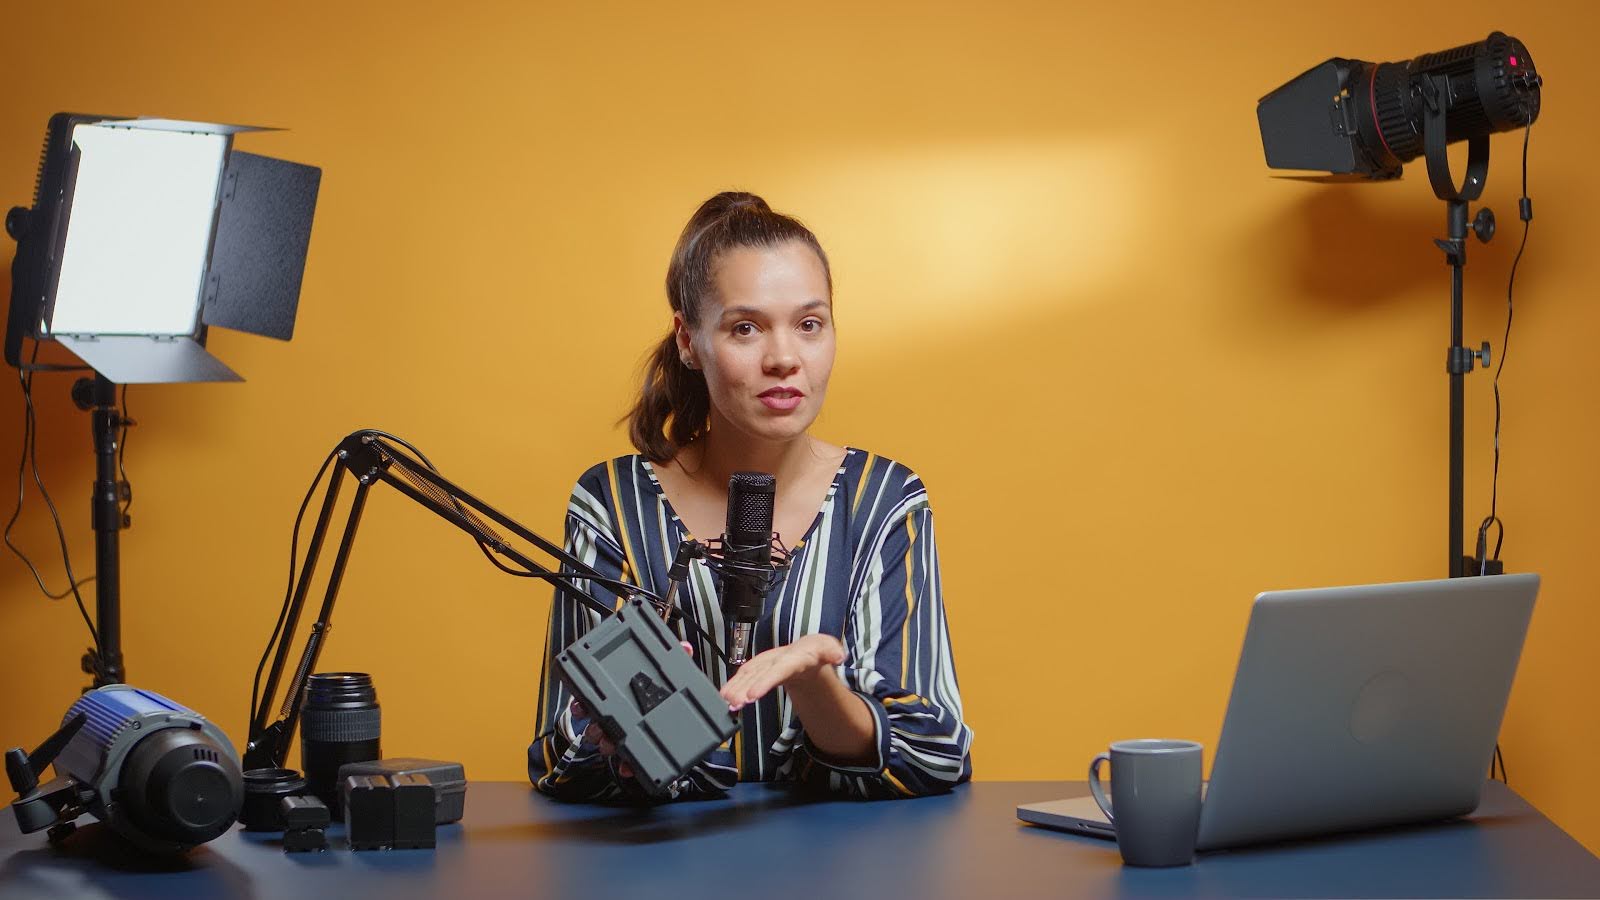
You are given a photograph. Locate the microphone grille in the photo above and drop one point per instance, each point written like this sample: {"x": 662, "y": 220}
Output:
{"x": 750, "y": 502}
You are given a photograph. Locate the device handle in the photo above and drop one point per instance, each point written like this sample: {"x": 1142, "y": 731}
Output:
{"x": 1095, "y": 787}
{"x": 24, "y": 769}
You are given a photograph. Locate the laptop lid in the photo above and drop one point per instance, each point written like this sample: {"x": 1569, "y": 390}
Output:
{"x": 1358, "y": 707}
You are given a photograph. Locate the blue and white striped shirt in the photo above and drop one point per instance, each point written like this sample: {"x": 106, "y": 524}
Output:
{"x": 867, "y": 572}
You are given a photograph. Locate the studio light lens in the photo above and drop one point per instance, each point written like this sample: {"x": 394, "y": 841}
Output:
{"x": 1349, "y": 116}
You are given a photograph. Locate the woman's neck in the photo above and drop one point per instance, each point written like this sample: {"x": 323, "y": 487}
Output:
{"x": 722, "y": 452}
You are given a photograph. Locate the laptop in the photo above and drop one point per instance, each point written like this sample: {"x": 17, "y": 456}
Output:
{"x": 1354, "y": 708}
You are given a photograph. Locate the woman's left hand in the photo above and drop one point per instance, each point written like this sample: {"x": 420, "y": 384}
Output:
{"x": 806, "y": 658}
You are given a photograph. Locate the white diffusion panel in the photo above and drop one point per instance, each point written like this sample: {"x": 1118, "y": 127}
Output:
{"x": 139, "y": 231}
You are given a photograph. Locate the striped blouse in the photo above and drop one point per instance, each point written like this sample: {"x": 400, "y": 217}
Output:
{"x": 866, "y": 571}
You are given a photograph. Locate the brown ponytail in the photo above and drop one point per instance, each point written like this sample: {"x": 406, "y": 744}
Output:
{"x": 674, "y": 406}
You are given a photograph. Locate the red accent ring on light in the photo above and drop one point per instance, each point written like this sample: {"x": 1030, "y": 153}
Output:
{"x": 1372, "y": 101}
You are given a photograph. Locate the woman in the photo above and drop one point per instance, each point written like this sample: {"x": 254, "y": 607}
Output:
{"x": 852, "y": 687}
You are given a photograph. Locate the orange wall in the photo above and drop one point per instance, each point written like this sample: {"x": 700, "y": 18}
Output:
{"x": 1068, "y": 293}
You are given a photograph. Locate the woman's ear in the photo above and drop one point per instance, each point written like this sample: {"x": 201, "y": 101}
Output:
{"x": 680, "y": 333}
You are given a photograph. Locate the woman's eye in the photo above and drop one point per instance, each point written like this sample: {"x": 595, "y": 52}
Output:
{"x": 744, "y": 329}
{"x": 811, "y": 326}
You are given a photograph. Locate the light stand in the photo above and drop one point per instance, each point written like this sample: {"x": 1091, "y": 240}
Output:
{"x": 99, "y": 396}
{"x": 142, "y": 235}
{"x": 1460, "y": 359}
{"x": 1363, "y": 121}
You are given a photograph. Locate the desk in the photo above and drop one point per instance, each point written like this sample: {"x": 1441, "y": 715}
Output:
{"x": 514, "y": 843}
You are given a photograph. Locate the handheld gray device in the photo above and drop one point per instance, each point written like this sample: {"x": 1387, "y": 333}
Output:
{"x": 1353, "y": 708}
{"x": 647, "y": 695}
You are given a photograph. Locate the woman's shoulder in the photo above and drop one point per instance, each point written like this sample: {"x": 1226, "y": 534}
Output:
{"x": 875, "y": 481}
{"x": 606, "y": 484}
{"x": 616, "y": 469}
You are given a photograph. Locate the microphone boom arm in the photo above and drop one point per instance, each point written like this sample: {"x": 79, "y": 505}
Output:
{"x": 371, "y": 458}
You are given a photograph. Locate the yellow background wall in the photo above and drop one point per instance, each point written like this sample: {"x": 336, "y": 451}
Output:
{"x": 1151, "y": 378}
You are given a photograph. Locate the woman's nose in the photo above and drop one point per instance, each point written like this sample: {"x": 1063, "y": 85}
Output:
{"x": 781, "y": 358}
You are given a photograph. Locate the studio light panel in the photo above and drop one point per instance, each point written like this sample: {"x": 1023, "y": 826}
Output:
{"x": 142, "y": 212}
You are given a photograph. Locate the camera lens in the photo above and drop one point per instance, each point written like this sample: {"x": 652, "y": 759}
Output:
{"x": 339, "y": 724}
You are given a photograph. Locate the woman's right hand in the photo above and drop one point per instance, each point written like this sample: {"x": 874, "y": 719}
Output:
{"x": 595, "y": 738}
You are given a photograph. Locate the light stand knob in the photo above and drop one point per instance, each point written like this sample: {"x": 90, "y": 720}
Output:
{"x": 1483, "y": 226}
{"x": 17, "y": 222}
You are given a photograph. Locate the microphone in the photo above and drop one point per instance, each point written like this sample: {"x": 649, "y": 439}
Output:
{"x": 747, "y": 555}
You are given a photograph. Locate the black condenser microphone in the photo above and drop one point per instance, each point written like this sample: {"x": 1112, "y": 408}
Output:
{"x": 747, "y": 555}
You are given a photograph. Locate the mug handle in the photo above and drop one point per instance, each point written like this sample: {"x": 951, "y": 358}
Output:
{"x": 1095, "y": 787}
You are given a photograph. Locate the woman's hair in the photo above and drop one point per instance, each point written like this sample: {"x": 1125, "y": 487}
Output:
{"x": 674, "y": 406}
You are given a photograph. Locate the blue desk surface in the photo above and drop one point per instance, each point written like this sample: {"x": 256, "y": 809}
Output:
{"x": 762, "y": 842}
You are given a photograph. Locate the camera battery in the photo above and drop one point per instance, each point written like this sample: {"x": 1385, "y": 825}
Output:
{"x": 306, "y": 822}
{"x": 647, "y": 694}
{"x": 304, "y": 812}
{"x": 413, "y": 812}
{"x": 449, "y": 781}
{"x": 383, "y": 812}
{"x": 305, "y": 840}
{"x": 368, "y": 811}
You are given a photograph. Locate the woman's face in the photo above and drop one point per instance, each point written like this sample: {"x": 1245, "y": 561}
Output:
{"x": 765, "y": 340}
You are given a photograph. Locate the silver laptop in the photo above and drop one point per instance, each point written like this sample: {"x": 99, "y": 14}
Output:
{"x": 1352, "y": 708}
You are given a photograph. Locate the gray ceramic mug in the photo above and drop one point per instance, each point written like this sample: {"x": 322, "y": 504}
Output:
{"x": 1156, "y": 784}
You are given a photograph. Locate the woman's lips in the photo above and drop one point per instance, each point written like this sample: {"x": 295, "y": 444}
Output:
{"x": 781, "y": 399}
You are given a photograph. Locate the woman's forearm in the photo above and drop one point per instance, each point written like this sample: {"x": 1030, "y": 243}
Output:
{"x": 836, "y": 719}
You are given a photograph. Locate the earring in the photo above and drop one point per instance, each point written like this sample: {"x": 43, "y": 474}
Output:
{"x": 688, "y": 363}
